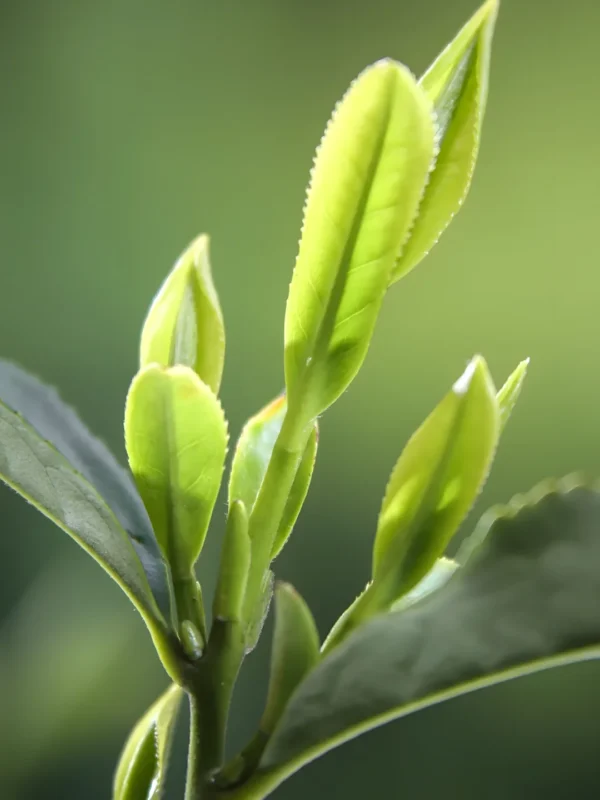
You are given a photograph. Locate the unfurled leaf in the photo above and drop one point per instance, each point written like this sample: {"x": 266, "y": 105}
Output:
{"x": 525, "y": 598}
{"x": 176, "y": 439}
{"x": 509, "y": 393}
{"x": 37, "y": 471}
{"x": 456, "y": 83}
{"x": 434, "y": 484}
{"x": 235, "y": 565}
{"x": 142, "y": 768}
{"x": 185, "y": 323}
{"x": 57, "y": 423}
{"x": 251, "y": 459}
{"x": 368, "y": 179}
{"x": 295, "y": 651}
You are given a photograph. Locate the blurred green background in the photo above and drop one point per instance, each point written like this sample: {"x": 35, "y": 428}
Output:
{"x": 129, "y": 126}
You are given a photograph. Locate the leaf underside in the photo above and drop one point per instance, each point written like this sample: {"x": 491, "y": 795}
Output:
{"x": 42, "y": 407}
{"x": 526, "y": 599}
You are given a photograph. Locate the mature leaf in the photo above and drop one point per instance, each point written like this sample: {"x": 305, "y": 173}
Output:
{"x": 368, "y": 179}
{"x": 142, "y": 768}
{"x": 434, "y": 483}
{"x": 251, "y": 459}
{"x": 295, "y": 651}
{"x": 185, "y": 323}
{"x": 176, "y": 439}
{"x": 42, "y": 407}
{"x": 509, "y": 393}
{"x": 38, "y": 472}
{"x": 457, "y": 84}
{"x": 526, "y": 598}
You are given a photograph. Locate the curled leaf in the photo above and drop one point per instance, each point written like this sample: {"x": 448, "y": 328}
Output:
{"x": 457, "y": 84}
{"x": 142, "y": 768}
{"x": 185, "y": 324}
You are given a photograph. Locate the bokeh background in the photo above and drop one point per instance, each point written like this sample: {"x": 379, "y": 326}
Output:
{"x": 129, "y": 126}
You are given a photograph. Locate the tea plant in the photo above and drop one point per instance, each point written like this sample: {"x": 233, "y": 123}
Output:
{"x": 393, "y": 167}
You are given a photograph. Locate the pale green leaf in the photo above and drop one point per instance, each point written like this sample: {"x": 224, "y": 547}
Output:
{"x": 435, "y": 482}
{"x": 509, "y": 393}
{"x": 252, "y": 456}
{"x": 366, "y": 184}
{"x": 295, "y": 651}
{"x": 142, "y": 768}
{"x": 526, "y": 598}
{"x": 457, "y": 84}
{"x": 176, "y": 439}
{"x": 185, "y": 323}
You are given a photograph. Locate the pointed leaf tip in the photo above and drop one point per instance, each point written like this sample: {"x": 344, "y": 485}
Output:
{"x": 456, "y": 84}
{"x": 433, "y": 485}
{"x": 185, "y": 323}
{"x": 509, "y": 393}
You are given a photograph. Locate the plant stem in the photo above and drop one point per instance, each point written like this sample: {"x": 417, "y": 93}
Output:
{"x": 210, "y": 698}
{"x": 270, "y": 503}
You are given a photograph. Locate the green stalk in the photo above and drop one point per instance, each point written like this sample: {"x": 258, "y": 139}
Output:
{"x": 272, "y": 498}
{"x": 210, "y": 693}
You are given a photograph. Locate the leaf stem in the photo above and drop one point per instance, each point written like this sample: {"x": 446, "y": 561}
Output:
{"x": 210, "y": 693}
{"x": 272, "y": 498}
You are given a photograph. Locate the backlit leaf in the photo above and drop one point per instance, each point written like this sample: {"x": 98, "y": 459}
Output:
{"x": 368, "y": 178}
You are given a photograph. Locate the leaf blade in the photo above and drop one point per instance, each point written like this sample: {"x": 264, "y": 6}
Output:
{"x": 56, "y": 422}
{"x": 176, "y": 441}
{"x": 39, "y": 473}
{"x": 497, "y": 619}
{"x": 457, "y": 84}
{"x": 366, "y": 184}
{"x": 142, "y": 767}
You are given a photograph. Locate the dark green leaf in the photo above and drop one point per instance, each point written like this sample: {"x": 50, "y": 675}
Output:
{"x": 38, "y": 472}
{"x": 525, "y": 599}
{"x": 42, "y": 407}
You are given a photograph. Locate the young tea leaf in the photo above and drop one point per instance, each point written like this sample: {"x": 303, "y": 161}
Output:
{"x": 509, "y": 393}
{"x": 57, "y": 423}
{"x": 434, "y": 484}
{"x": 525, "y": 598}
{"x": 366, "y": 184}
{"x": 142, "y": 768}
{"x": 295, "y": 651}
{"x": 176, "y": 439}
{"x": 251, "y": 459}
{"x": 457, "y": 84}
{"x": 185, "y": 323}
